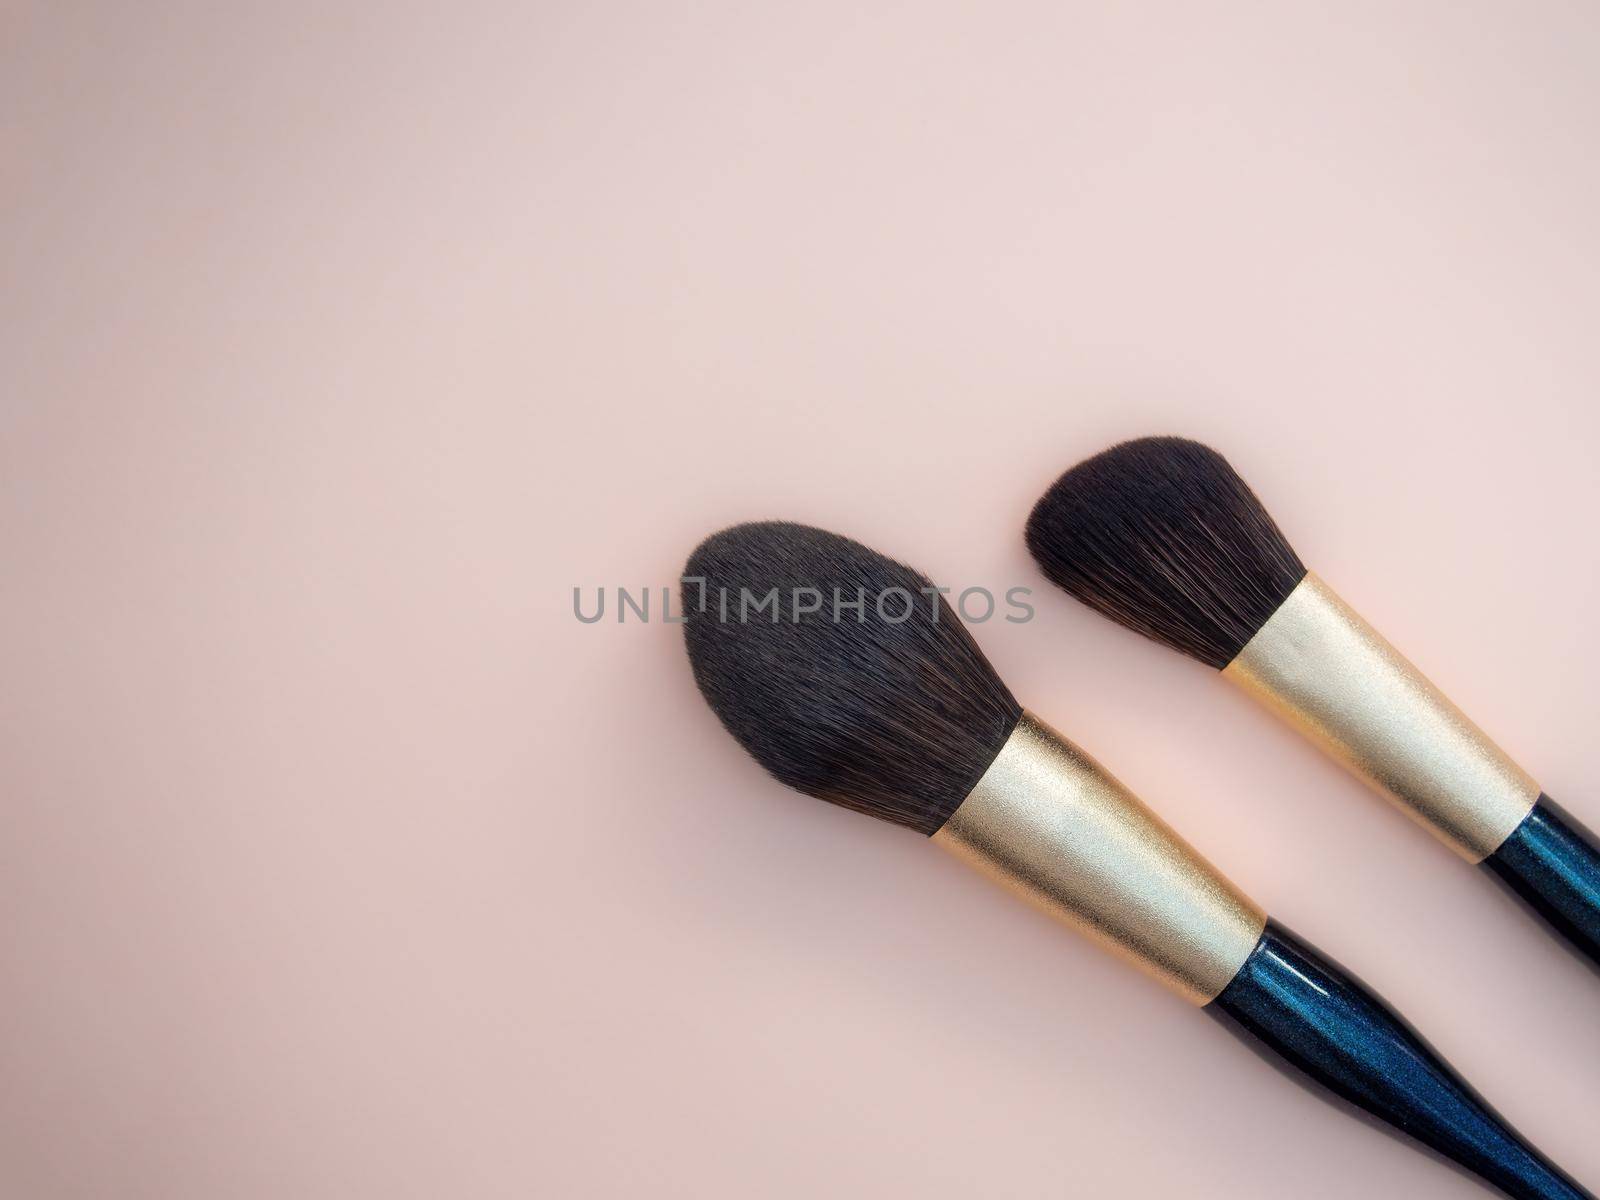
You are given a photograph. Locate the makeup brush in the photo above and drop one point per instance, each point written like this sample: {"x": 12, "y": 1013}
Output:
{"x": 1162, "y": 536}
{"x": 853, "y": 681}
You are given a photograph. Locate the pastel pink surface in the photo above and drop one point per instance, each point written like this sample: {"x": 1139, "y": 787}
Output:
{"x": 339, "y": 343}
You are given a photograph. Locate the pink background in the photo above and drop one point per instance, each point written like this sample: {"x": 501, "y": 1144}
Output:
{"x": 339, "y": 342}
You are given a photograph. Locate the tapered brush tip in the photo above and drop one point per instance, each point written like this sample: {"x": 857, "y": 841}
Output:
{"x": 855, "y": 683}
{"x": 1163, "y": 536}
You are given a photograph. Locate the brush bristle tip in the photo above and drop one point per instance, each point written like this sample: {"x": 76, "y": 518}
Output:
{"x": 895, "y": 716}
{"x": 1163, "y": 536}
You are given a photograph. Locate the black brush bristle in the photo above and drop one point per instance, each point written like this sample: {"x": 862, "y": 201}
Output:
{"x": 1161, "y": 535}
{"x": 893, "y": 718}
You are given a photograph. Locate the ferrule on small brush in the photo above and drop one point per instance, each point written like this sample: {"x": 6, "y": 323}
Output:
{"x": 1331, "y": 675}
{"x": 1328, "y": 673}
{"x": 906, "y": 721}
{"x": 1164, "y": 537}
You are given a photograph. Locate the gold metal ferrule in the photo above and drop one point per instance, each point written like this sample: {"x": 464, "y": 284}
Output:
{"x": 1050, "y": 823}
{"x": 1323, "y": 669}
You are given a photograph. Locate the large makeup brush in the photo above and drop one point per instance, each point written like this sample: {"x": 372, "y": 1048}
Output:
{"x": 848, "y": 678}
{"x": 1161, "y": 535}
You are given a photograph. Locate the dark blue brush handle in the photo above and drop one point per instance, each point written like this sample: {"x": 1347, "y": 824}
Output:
{"x": 1553, "y": 863}
{"x": 1318, "y": 1018}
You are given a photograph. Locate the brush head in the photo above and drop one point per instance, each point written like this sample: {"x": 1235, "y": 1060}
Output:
{"x": 893, "y": 718}
{"x": 1161, "y": 535}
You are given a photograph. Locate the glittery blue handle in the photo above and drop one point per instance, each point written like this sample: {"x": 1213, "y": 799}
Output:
{"x": 1553, "y": 863}
{"x": 1311, "y": 1014}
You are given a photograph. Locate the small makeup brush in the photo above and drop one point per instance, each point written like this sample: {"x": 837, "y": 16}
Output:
{"x": 1162, "y": 536}
{"x": 871, "y": 694}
